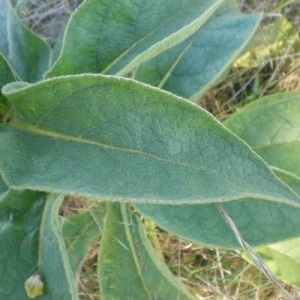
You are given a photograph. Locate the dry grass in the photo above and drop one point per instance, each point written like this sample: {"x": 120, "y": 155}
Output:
{"x": 216, "y": 273}
{"x": 278, "y": 72}
{"x": 207, "y": 273}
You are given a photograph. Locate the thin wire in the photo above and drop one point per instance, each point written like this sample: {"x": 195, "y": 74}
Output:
{"x": 255, "y": 257}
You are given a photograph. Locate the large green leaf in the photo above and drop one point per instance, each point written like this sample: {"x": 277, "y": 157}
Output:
{"x": 266, "y": 124}
{"x": 114, "y": 36}
{"x": 128, "y": 265}
{"x": 28, "y": 54}
{"x": 31, "y": 241}
{"x": 116, "y": 139}
{"x": 271, "y": 126}
{"x": 80, "y": 231}
{"x": 198, "y": 62}
{"x": 260, "y": 223}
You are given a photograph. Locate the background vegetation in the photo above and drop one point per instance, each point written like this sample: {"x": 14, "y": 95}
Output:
{"x": 272, "y": 64}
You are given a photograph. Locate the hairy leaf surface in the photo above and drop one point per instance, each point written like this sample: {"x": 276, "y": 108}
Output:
{"x": 128, "y": 265}
{"x": 54, "y": 264}
{"x": 200, "y": 61}
{"x": 20, "y": 218}
{"x": 259, "y": 222}
{"x": 27, "y": 53}
{"x": 114, "y": 37}
{"x": 31, "y": 241}
{"x": 116, "y": 139}
{"x": 271, "y": 126}
{"x": 283, "y": 258}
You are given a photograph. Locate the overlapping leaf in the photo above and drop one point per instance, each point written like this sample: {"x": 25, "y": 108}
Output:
{"x": 128, "y": 265}
{"x": 80, "y": 231}
{"x": 114, "y": 37}
{"x": 276, "y": 119}
{"x": 31, "y": 241}
{"x": 3, "y": 188}
{"x": 271, "y": 126}
{"x": 53, "y": 263}
{"x": 283, "y": 258}
{"x": 117, "y": 139}
{"x": 6, "y": 76}
{"x": 28, "y": 54}
{"x": 259, "y": 222}
{"x": 20, "y": 217}
{"x": 198, "y": 62}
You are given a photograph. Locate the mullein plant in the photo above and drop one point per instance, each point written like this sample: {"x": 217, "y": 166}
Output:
{"x": 110, "y": 117}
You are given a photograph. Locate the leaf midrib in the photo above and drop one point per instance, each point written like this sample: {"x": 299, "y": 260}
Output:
{"x": 116, "y": 60}
{"x": 133, "y": 250}
{"x": 22, "y": 126}
{"x": 124, "y": 53}
{"x": 35, "y": 130}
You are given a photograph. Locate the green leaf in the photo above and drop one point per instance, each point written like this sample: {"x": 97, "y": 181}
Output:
{"x": 30, "y": 242}
{"x": 3, "y": 188}
{"x": 80, "y": 231}
{"x": 116, "y": 139}
{"x": 6, "y": 76}
{"x": 113, "y": 37}
{"x": 58, "y": 45}
{"x": 128, "y": 265}
{"x": 283, "y": 259}
{"x": 20, "y": 218}
{"x": 28, "y": 54}
{"x": 53, "y": 261}
{"x": 276, "y": 119}
{"x": 290, "y": 179}
{"x": 6, "y": 72}
{"x": 259, "y": 222}
{"x": 198, "y": 63}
